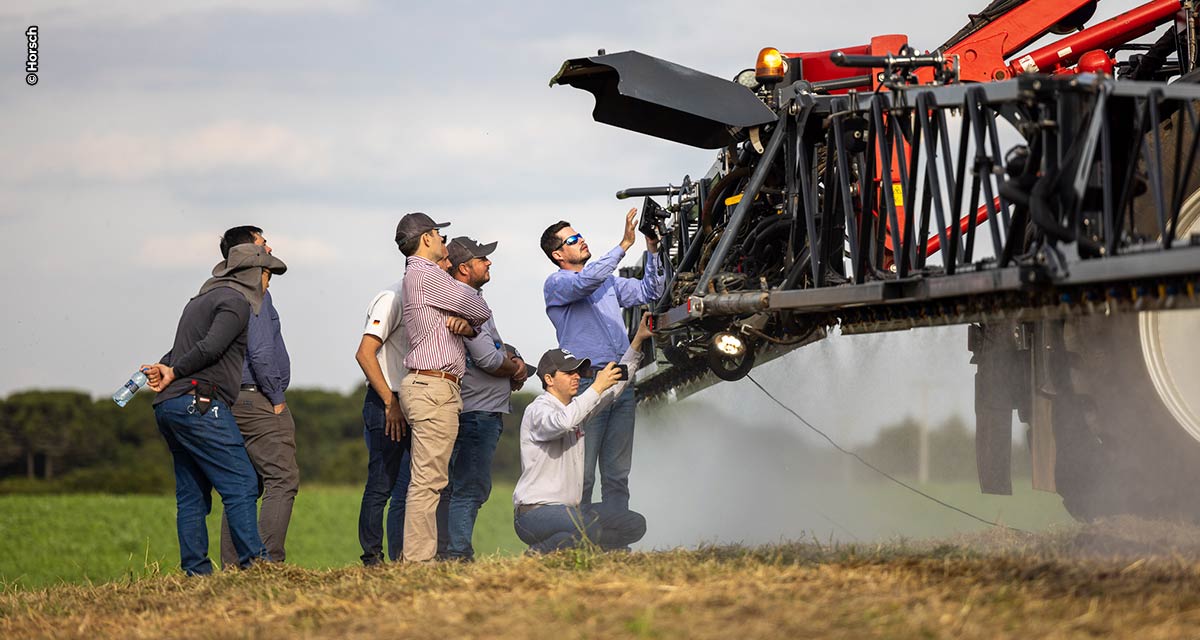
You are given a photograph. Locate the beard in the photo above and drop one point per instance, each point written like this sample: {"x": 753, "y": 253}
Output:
{"x": 583, "y": 258}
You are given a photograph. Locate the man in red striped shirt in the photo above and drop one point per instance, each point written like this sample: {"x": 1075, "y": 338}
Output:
{"x": 434, "y": 303}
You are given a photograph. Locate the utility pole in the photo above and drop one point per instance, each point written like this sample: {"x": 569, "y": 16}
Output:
{"x": 923, "y": 437}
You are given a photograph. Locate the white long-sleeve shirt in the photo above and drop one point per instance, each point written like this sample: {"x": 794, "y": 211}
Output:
{"x": 552, "y": 442}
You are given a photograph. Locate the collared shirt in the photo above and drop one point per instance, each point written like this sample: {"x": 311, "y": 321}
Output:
{"x": 482, "y": 391}
{"x": 385, "y": 320}
{"x": 267, "y": 364}
{"x": 552, "y": 442}
{"x": 585, "y": 306}
{"x": 431, "y": 296}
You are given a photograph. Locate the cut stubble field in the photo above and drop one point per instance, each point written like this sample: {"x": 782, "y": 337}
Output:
{"x": 1116, "y": 579}
{"x": 105, "y": 566}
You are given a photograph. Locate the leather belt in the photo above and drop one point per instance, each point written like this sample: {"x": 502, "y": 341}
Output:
{"x": 437, "y": 373}
{"x": 523, "y": 509}
{"x": 249, "y": 387}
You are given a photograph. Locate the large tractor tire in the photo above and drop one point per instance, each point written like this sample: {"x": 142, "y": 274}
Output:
{"x": 1127, "y": 423}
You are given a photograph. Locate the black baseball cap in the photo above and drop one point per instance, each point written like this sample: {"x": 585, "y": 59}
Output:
{"x": 556, "y": 360}
{"x": 463, "y": 249}
{"x": 414, "y": 224}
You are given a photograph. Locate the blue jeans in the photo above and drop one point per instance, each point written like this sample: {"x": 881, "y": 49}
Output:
{"x": 470, "y": 478}
{"x": 553, "y": 527}
{"x": 209, "y": 453}
{"x": 608, "y": 440}
{"x": 385, "y": 457}
{"x": 395, "y": 514}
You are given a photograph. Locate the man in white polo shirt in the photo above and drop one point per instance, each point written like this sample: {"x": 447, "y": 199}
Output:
{"x": 547, "y": 511}
{"x": 381, "y": 354}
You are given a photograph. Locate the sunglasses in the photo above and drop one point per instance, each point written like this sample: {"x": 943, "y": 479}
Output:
{"x": 571, "y": 241}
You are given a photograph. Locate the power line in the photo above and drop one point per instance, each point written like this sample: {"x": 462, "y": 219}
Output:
{"x": 871, "y": 466}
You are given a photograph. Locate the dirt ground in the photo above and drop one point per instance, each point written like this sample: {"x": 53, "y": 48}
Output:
{"x": 1120, "y": 578}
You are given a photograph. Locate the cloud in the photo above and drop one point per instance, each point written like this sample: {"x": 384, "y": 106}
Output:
{"x": 125, "y": 13}
{"x": 221, "y": 147}
{"x": 178, "y": 251}
{"x": 306, "y": 250}
{"x": 189, "y": 250}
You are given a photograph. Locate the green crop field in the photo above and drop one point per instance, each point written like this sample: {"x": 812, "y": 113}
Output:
{"x": 100, "y": 538}
{"x": 50, "y": 539}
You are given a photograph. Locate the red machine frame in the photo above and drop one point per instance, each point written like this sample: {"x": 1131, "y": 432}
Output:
{"x": 984, "y": 55}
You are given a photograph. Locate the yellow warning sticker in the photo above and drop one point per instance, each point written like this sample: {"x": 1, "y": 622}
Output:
{"x": 732, "y": 200}
{"x": 898, "y": 195}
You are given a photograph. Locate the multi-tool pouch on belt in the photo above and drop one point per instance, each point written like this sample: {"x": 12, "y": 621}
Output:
{"x": 204, "y": 392}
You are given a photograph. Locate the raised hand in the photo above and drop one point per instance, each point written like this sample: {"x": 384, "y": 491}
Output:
{"x": 606, "y": 378}
{"x": 630, "y": 230}
{"x": 643, "y": 331}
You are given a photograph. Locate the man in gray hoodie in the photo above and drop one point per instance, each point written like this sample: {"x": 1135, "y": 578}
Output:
{"x": 197, "y": 382}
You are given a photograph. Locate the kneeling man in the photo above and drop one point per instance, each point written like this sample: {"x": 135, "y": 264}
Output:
{"x": 548, "y": 515}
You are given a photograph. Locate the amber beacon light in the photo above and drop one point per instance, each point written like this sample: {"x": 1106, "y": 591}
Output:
{"x": 770, "y": 66}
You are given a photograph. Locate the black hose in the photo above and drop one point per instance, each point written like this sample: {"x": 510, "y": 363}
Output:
{"x": 760, "y": 240}
{"x": 1041, "y": 207}
{"x": 1155, "y": 58}
{"x": 717, "y": 195}
{"x": 751, "y": 240}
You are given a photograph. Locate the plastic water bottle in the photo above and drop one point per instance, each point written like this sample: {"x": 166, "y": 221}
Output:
{"x": 125, "y": 393}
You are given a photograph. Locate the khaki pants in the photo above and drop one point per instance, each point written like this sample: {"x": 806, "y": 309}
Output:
{"x": 431, "y": 406}
{"x": 271, "y": 445}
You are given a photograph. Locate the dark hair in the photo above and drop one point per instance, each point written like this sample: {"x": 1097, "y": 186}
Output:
{"x": 238, "y": 235}
{"x": 550, "y": 240}
{"x": 408, "y": 246}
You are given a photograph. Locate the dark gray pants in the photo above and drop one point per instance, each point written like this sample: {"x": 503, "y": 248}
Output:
{"x": 271, "y": 443}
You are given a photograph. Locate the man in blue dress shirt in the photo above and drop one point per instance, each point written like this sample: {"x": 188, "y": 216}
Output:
{"x": 584, "y": 301}
{"x": 263, "y": 417}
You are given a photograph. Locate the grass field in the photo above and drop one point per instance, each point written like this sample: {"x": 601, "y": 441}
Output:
{"x": 99, "y": 538}
{"x": 1122, "y": 579}
{"x": 53, "y": 539}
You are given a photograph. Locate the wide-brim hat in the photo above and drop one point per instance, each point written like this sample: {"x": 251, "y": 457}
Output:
{"x": 247, "y": 256}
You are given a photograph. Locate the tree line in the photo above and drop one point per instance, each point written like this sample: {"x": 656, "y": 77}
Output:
{"x": 64, "y": 441}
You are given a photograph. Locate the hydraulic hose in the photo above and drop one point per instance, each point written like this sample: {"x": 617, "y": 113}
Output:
{"x": 751, "y": 243}
{"x": 717, "y": 194}
{"x": 772, "y": 229}
{"x": 757, "y": 177}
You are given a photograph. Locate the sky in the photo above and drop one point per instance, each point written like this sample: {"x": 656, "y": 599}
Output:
{"x": 155, "y": 126}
